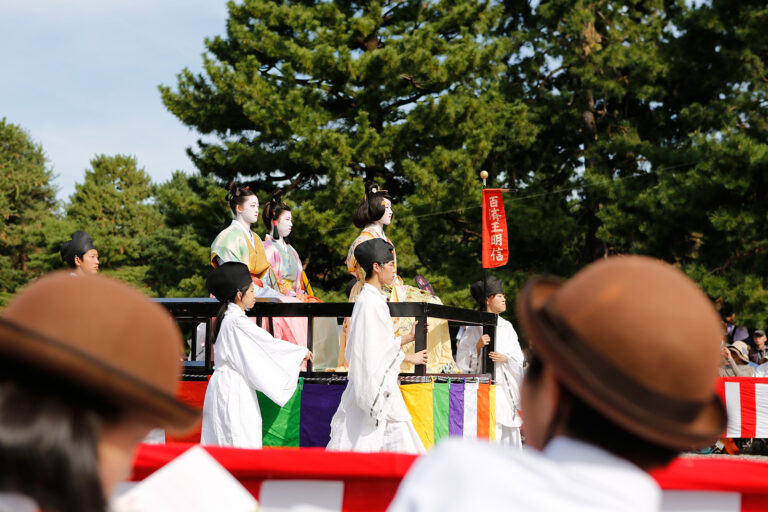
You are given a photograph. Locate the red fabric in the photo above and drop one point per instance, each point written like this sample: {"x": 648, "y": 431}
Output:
{"x": 280, "y": 463}
{"x": 748, "y": 404}
{"x": 495, "y": 245}
{"x": 371, "y": 479}
{"x": 191, "y": 393}
{"x": 723, "y": 473}
{"x": 748, "y": 408}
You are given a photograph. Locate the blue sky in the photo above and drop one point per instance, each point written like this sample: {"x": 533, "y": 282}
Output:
{"x": 81, "y": 77}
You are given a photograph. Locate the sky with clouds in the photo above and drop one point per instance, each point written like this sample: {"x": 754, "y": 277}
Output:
{"x": 81, "y": 77}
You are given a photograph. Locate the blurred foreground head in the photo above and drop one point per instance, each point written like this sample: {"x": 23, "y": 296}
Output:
{"x": 93, "y": 366}
{"x": 625, "y": 355}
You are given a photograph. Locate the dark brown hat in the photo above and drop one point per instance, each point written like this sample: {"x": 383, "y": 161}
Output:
{"x": 104, "y": 336}
{"x": 638, "y": 341}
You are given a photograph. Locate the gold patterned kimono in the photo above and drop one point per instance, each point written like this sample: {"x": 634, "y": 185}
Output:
{"x": 440, "y": 358}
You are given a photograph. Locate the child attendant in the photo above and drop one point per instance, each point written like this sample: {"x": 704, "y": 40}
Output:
{"x": 507, "y": 358}
{"x": 372, "y": 416}
{"x": 247, "y": 359}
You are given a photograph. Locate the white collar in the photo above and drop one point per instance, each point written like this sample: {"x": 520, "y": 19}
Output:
{"x": 372, "y": 289}
{"x": 378, "y": 229}
{"x": 570, "y": 452}
{"x": 234, "y": 309}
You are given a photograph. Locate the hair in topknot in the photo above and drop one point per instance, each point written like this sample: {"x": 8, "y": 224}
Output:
{"x": 272, "y": 212}
{"x": 372, "y": 206}
{"x": 236, "y": 195}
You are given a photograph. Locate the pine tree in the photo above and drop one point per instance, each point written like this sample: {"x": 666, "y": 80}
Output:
{"x": 27, "y": 204}
{"x": 114, "y": 204}
{"x": 316, "y": 97}
{"x": 194, "y": 211}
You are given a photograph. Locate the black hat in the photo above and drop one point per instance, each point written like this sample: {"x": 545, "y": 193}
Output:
{"x": 376, "y": 250}
{"x": 79, "y": 244}
{"x": 227, "y": 279}
{"x": 493, "y": 285}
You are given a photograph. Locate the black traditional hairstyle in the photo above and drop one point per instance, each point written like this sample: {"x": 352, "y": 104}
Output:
{"x": 76, "y": 247}
{"x": 224, "y": 282}
{"x": 372, "y": 206}
{"x": 237, "y": 195}
{"x": 272, "y": 212}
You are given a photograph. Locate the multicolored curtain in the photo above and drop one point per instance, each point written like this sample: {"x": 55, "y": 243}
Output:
{"x": 438, "y": 410}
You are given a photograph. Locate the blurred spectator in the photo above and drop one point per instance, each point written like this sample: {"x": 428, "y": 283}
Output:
{"x": 729, "y": 321}
{"x": 740, "y": 334}
{"x": 91, "y": 368}
{"x": 735, "y": 361}
{"x": 758, "y": 354}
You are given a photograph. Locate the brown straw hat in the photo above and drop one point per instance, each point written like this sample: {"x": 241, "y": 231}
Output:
{"x": 635, "y": 339}
{"x": 103, "y": 336}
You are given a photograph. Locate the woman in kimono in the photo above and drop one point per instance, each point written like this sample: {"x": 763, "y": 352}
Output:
{"x": 372, "y": 214}
{"x": 288, "y": 277}
{"x": 507, "y": 357}
{"x": 239, "y": 243}
{"x": 288, "y": 272}
{"x": 247, "y": 359}
{"x": 372, "y": 415}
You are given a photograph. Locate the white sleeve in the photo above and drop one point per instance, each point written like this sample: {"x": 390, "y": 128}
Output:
{"x": 466, "y": 350}
{"x": 269, "y": 365}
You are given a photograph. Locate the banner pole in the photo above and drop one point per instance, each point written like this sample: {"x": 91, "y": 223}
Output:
{"x": 484, "y": 302}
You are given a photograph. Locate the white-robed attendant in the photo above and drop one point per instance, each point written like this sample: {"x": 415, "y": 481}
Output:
{"x": 372, "y": 415}
{"x": 247, "y": 359}
{"x": 507, "y": 357}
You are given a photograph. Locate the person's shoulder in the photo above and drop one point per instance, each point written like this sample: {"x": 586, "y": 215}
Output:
{"x": 481, "y": 475}
{"x": 227, "y": 233}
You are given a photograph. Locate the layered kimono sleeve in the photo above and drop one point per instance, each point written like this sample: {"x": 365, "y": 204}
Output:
{"x": 273, "y": 258}
{"x": 298, "y": 287}
{"x": 229, "y": 246}
{"x": 374, "y": 357}
{"x": 267, "y": 364}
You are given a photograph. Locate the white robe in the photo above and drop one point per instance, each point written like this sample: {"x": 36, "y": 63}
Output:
{"x": 507, "y": 376}
{"x": 568, "y": 475}
{"x": 372, "y": 415}
{"x": 247, "y": 359}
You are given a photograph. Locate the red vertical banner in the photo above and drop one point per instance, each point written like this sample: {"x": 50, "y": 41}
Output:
{"x": 495, "y": 249}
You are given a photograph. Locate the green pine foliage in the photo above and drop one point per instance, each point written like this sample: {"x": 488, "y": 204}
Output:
{"x": 316, "y": 97}
{"x": 114, "y": 204}
{"x": 27, "y": 209}
{"x": 620, "y": 126}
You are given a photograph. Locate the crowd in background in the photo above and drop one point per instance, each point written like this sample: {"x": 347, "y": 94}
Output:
{"x": 743, "y": 350}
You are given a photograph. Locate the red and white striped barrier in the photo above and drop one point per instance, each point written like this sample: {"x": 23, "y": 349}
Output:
{"x": 350, "y": 482}
{"x": 746, "y": 400}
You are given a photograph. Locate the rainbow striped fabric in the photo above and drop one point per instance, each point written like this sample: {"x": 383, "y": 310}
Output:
{"x": 465, "y": 409}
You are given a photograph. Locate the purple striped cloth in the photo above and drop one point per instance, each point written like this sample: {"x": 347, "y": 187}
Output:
{"x": 456, "y": 410}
